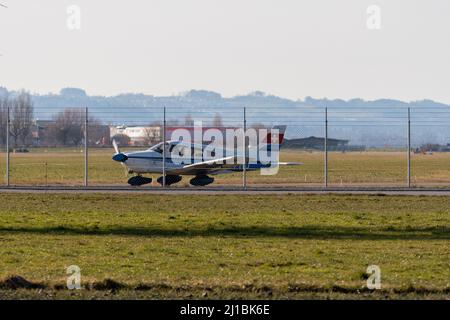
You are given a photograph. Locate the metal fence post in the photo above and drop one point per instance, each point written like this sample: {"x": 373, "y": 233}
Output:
{"x": 164, "y": 149}
{"x": 244, "y": 171}
{"x": 86, "y": 148}
{"x": 326, "y": 148}
{"x": 409, "y": 149}
{"x": 7, "y": 146}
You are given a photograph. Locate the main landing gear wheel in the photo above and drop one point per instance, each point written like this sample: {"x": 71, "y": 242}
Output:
{"x": 169, "y": 180}
{"x": 137, "y": 181}
{"x": 201, "y": 181}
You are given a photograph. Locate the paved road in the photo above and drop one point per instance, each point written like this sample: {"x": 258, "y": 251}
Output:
{"x": 225, "y": 191}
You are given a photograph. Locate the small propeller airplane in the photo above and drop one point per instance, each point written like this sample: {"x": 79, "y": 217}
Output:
{"x": 157, "y": 160}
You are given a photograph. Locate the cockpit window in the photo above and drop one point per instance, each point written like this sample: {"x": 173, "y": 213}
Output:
{"x": 159, "y": 147}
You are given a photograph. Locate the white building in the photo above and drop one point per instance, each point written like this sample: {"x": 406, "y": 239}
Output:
{"x": 139, "y": 135}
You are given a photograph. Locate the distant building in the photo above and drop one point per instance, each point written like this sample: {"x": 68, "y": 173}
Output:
{"x": 43, "y": 136}
{"x": 317, "y": 143}
{"x": 433, "y": 147}
{"x": 139, "y": 135}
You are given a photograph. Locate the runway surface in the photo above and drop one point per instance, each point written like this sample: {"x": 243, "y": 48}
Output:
{"x": 225, "y": 191}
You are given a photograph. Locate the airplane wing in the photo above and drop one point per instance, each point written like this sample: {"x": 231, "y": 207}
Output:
{"x": 223, "y": 162}
{"x": 216, "y": 166}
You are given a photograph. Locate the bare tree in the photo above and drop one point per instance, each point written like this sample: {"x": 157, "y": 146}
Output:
{"x": 4, "y": 102}
{"x": 98, "y": 133}
{"x": 188, "y": 121}
{"x": 68, "y": 126}
{"x": 217, "y": 121}
{"x": 26, "y": 113}
{"x": 21, "y": 118}
{"x": 150, "y": 136}
{"x": 122, "y": 139}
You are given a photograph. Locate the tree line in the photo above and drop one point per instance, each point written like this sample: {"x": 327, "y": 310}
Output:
{"x": 20, "y": 118}
{"x": 66, "y": 127}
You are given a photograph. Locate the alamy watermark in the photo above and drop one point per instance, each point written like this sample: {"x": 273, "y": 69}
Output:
{"x": 373, "y": 21}
{"x": 73, "y": 21}
{"x": 374, "y": 279}
{"x": 74, "y": 278}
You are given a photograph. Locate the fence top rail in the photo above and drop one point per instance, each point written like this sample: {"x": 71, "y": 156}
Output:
{"x": 232, "y": 108}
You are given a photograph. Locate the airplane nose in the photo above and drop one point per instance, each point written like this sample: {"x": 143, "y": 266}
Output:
{"x": 120, "y": 157}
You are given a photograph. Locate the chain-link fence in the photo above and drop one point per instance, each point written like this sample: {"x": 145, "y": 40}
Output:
{"x": 322, "y": 147}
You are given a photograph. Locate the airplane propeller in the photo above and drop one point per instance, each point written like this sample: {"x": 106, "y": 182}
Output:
{"x": 119, "y": 156}
{"x": 116, "y": 147}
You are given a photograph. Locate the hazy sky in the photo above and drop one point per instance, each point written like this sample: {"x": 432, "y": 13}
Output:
{"x": 290, "y": 48}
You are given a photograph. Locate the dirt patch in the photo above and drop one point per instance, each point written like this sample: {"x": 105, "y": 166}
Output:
{"x": 18, "y": 282}
{"x": 107, "y": 284}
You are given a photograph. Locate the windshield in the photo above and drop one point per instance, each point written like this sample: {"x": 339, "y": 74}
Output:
{"x": 158, "y": 147}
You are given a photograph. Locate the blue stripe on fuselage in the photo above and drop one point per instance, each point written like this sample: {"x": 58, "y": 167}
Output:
{"x": 239, "y": 167}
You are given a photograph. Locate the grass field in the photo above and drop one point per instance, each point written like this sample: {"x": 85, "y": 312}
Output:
{"x": 66, "y": 167}
{"x": 234, "y": 246}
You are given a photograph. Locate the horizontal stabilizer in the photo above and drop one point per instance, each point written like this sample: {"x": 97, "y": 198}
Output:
{"x": 290, "y": 163}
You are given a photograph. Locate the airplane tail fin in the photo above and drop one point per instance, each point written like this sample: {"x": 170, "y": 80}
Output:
{"x": 270, "y": 139}
{"x": 266, "y": 143}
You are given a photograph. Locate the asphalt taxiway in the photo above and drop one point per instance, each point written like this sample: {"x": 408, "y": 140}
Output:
{"x": 228, "y": 190}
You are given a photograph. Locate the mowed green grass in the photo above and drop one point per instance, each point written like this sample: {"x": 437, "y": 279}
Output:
{"x": 229, "y": 246}
{"x": 65, "y": 166}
